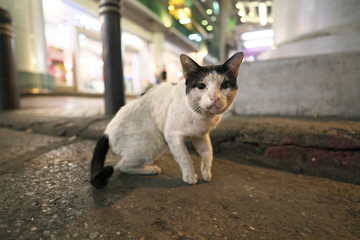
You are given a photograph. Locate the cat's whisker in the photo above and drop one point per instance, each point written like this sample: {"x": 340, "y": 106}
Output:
{"x": 198, "y": 109}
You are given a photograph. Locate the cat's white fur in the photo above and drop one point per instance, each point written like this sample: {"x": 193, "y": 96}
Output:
{"x": 165, "y": 118}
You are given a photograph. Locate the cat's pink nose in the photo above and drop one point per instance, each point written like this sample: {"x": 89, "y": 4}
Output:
{"x": 214, "y": 99}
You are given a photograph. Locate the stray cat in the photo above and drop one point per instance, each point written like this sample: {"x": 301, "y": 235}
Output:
{"x": 165, "y": 117}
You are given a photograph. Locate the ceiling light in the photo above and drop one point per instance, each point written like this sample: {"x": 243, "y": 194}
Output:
{"x": 269, "y": 33}
{"x": 195, "y": 37}
{"x": 216, "y": 7}
{"x": 263, "y": 14}
{"x": 185, "y": 20}
{"x": 258, "y": 43}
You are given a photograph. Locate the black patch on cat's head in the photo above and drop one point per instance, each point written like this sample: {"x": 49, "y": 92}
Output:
{"x": 194, "y": 73}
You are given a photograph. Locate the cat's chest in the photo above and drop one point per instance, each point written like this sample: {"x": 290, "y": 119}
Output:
{"x": 182, "y": 120}
{"x": 199, "y": 127}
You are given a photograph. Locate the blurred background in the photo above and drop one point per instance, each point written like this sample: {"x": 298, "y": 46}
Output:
{"x": 302, "y": 57}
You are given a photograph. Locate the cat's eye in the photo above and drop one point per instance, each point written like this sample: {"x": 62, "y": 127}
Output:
{"x": 201, "y": 86}
{"x": 225, "y": 85}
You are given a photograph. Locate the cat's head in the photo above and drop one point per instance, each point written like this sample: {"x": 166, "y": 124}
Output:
{"x": 211, "y": 89}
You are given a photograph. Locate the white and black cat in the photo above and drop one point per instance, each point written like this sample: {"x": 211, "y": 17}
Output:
{"x": 164, "y": 118}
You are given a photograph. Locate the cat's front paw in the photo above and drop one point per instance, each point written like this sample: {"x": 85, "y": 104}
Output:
{"x": 190, "y": 179}
{"x": 206, "y": 172}
{"x": 206, "y": 176}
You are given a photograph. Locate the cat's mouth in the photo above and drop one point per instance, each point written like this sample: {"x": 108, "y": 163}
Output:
{"x": 214, "y": 109}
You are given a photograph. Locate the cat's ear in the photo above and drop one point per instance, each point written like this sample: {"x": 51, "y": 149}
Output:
{"x": 189, "y": 66}
{"x": 232, "y": 65}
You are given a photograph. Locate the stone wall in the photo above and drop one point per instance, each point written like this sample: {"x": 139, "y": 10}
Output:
{"x": 322, "y": 85}
{"x": 310, "y": 27}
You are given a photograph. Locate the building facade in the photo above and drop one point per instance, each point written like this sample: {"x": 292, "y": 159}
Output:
{"x": 59, "y": 47}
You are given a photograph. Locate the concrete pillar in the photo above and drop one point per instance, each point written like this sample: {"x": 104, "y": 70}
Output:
{"x": 224, "y": 18}
{"x": 313, "y": 27}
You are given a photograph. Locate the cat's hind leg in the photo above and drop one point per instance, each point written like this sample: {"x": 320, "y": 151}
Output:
{"x": 136, "y": 167}
{"x": 139, "y": 153}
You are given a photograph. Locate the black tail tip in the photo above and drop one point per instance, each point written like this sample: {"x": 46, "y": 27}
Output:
{"x": 100, "y": 179}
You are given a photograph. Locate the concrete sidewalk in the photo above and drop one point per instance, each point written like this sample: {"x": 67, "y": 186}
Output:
{"x": 45, "y": 194}
{"x": 319, "y": 147}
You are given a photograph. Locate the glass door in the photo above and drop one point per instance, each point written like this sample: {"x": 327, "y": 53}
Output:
{"x": 89, "y": 63}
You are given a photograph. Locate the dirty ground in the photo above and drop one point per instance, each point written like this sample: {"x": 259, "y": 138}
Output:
{"x": 45, "y": 194}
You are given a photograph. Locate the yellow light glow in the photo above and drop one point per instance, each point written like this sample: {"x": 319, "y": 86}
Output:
{"x": 181, "y": 14}
{"x": 209, "y": 28}
{"x": 179, "y": 10}
{"x": 251, "y": 12}
{"x": 204, "y": 22}
{"x": 209, "y": 11}
{"x": 35, "y": 90}
{"x": 167, "y": 23}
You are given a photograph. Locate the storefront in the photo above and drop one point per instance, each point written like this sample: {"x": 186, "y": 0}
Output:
{"x": 171, "y": 59}
{"x": 59, "y": 47}
{"x": 74, "y": 47}
{"x": 73, "y": 38}
{"x": 137, "y": 65}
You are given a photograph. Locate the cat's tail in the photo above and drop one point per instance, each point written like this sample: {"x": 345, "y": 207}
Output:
{"x": 98, "y": 173}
